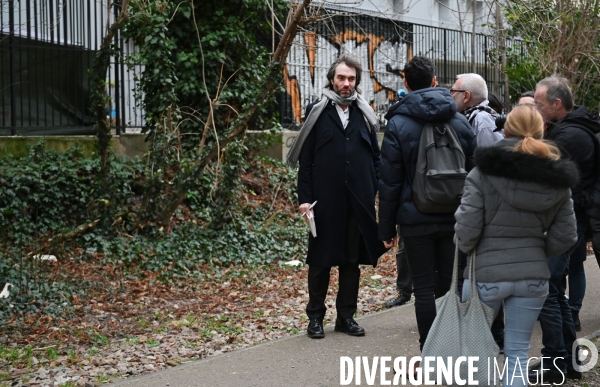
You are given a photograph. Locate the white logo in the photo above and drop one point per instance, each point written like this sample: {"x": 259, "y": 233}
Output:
{"x": 582, "y": 349}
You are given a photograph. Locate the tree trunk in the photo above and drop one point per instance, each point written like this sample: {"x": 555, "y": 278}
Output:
{"x": 98, "y": 87}
{"x": 272, "y": 80}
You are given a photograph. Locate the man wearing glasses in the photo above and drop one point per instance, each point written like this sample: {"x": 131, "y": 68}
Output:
{"x": 471, "y": 96}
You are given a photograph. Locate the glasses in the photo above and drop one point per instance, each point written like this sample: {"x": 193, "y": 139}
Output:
{"x": 457, "y": 91}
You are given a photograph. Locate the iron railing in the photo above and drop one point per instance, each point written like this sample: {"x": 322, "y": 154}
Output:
{"x": 47, "y": 48}
{"x": 383, "y": 46}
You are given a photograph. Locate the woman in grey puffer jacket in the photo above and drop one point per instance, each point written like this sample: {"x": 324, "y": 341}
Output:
{"x": 516, "y": 212}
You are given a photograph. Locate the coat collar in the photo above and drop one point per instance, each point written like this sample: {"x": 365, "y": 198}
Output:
{"x": 500, "y": 160}
{"x": 332, "y": 111}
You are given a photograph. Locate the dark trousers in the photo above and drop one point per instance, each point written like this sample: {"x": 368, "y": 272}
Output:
{"x": 577, "y": 282}
{"x": 318, "y": 277}
{"x": 556, "y": 321}
{"x": 318, "y": 283}
{"x": 404, "y": 283}
{"x": 595, "y": 237}
{"x": 427, "y": 254}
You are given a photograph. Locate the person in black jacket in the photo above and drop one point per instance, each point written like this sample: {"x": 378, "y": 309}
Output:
{"x": 339, "y": 170}
{"x": 427, "y": 237}
{"x": 566, "y": 127}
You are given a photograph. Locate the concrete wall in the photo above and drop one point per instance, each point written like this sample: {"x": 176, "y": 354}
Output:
{"x": 132, "y": 145}
{"x": 279, "y": 150}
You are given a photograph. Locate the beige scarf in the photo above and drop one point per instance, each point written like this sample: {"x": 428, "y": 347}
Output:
{"x": 329, "y": 95}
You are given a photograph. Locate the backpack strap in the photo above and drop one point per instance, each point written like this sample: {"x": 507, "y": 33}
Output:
{"x": 406, "y": 171}
{"x": 471, "y": 112}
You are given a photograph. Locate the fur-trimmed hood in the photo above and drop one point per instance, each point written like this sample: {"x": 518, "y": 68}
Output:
{"x": 526, "y": 181}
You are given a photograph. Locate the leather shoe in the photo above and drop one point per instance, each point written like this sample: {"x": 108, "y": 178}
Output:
{"x": 315, "y": 329}
{"x": 549, "y": 376}
{"x": 399, "y": 299}
{"x": 348, "y": 326}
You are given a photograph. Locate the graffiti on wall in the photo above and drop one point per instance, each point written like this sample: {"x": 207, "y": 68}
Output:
{"x": 382, "y": 46}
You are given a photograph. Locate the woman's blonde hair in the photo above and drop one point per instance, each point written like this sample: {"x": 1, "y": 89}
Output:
{"x": 525, "y": 122}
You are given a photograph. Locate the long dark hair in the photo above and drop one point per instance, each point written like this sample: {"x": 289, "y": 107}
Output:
{"x": 349, "y": 61}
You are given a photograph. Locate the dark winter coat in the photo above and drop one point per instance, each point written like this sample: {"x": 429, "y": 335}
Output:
{"x": 340, "y": 167}
{"x": 399, "y": 152}
{"x": 516, "y": 211}
{"x": 578, "y": 146}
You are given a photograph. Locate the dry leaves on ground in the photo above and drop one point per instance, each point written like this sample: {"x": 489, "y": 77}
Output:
{"x": 138, "y": 326}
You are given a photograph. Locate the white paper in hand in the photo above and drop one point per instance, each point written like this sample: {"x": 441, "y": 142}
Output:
{"x": 310, "y": 220}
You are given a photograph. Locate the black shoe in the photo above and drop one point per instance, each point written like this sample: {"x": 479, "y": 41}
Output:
{"x": 348, "y": 326}
{"x": 576, "y": 322}
{"x": 315, "y": 329}
{"x": 573, "y": 374}
{"x": 399, "y": 299}
{"x": 549, "y": 376}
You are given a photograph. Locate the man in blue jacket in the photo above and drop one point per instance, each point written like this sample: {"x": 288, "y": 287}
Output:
{"x": 428, "y": 238}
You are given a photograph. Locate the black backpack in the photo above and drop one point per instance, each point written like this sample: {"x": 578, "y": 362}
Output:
{"x": 440, "y": 173}
{"x": 499, "y": 119}
{"x": 591, "y": 199}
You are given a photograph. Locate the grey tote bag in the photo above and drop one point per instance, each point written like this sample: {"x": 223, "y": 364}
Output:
{"x": 462, "y": 329}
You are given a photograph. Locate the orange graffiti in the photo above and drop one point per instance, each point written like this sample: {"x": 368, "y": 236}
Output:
{"x": 374, "y": 42}
{"x": 291, "y": 84}
{"x": 310, "y": 39}
{"x": 377, "y": 86}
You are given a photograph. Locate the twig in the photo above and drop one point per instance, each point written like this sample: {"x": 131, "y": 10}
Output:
{"x": 276, "y": 192}
{"x": 43, "y": 348}
{"x": 62, "y": 237}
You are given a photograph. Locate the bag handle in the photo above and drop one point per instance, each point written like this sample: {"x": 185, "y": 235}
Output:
{"x": 471, "y": 260}
{"x": 471, "y": 267}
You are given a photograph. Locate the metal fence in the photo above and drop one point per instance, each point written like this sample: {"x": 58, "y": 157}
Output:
{"x": 47, "y": 48}
{"x": 383, "y": 46}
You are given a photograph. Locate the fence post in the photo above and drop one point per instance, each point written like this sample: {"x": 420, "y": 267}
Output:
{"x": 485, "y": 55}
{"x": 117, "y": 83}
{"x": 11, "y": 44}
{"x": 446, "y": 59}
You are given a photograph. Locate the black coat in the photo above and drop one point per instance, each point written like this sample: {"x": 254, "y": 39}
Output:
{"x": 340, "y": 167}
{"x": 577, "y": 145}
{"x": 399, "y": 152}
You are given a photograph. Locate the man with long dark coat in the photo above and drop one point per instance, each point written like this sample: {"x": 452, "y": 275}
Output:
{"x": 338, "y": 153}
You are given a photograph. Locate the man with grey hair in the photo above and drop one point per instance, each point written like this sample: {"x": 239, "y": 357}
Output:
{"x": 470, "y": 93}
{"x": 574, "y": 132}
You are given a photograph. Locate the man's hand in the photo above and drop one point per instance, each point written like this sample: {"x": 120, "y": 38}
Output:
{"x": 304, "y": 207}
{"x": 391, "y": 243}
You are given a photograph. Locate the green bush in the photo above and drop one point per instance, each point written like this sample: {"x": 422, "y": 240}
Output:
{"x": 49, "y": 193}
{"x": 225, "y": 221}
{"x": 43, "y": 196}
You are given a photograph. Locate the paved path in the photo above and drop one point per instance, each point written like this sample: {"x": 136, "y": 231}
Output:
{"x": 300, "y": 361}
